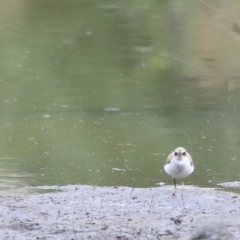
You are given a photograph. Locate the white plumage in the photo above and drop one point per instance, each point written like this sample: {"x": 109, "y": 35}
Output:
{"x": 179, "y": 164}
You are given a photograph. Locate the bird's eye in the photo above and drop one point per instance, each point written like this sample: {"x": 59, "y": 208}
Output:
{"x": 184, "y": 154}
{"x": 175, "y": 153}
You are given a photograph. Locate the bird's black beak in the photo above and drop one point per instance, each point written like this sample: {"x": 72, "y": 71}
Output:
{"x": 179, "y": 155}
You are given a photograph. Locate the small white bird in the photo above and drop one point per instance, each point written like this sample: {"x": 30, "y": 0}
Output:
{"x": 179, "y": 164}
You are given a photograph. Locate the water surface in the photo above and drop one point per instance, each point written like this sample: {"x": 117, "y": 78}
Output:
{"x": 99, "y": 93}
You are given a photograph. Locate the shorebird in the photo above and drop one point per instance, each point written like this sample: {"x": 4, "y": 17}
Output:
{"x": 179, "y": 164}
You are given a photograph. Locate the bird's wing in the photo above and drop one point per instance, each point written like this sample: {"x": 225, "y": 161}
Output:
{"x": 169, "y": 158}
{"x": 191, "y": 160}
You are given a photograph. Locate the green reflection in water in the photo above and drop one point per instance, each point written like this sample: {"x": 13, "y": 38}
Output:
{"x": 100, "y": 93}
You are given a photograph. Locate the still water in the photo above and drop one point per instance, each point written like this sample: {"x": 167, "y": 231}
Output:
{"x": 100, "y": 92}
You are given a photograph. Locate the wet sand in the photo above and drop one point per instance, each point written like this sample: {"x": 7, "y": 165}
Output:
{"x": 88, "y": 212}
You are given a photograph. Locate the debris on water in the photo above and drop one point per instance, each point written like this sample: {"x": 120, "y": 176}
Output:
{"x": 118, "y": 169}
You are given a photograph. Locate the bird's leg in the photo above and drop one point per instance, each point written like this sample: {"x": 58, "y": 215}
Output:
{"x": 183, "y": 181}
{"x": 174, "y": 181}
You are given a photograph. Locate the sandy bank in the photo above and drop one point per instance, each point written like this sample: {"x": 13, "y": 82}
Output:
{"x": 86, "y": 212}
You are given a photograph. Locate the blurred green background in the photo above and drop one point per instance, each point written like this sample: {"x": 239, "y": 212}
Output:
{"x": 100, "y": 92}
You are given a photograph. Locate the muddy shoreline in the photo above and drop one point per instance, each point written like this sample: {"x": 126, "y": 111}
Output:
{"x": 89, "y": 212}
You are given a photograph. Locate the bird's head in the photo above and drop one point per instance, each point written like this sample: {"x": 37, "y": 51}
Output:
{"x": 180, "y": 152}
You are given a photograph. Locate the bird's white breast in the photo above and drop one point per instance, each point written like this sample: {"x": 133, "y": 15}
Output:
{"x": 179, "y": 169}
